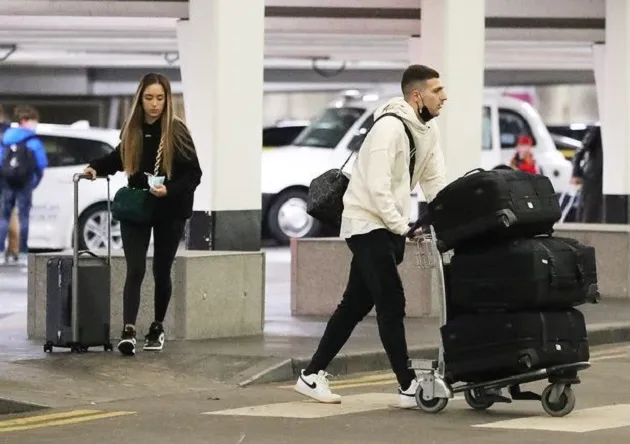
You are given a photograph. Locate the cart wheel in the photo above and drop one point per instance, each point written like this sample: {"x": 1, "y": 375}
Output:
{"x": 434, "y": 405}
{"x": 563, "y": 406}
{"x": 48, "y": 347}
{"x": 475, "y": 400}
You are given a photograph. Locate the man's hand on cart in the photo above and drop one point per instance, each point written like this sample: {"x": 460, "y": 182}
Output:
{"x": 415, "y": 233}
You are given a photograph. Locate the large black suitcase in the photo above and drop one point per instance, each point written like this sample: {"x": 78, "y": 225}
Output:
{"x": 78, "y": 303}
{"x": 524, "y": 274}
{"x": 483, "y": 347}
{"x": 497, "y": 204}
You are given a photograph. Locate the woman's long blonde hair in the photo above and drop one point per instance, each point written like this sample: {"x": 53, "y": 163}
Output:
{"x": 175, "y": 135}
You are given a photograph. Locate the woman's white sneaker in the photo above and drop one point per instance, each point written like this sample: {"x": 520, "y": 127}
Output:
{"x": 316, "y": 386}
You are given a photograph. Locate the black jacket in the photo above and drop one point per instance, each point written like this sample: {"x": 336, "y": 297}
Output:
{"x": 185, "y": 176}
{"x": 588, "y": 162}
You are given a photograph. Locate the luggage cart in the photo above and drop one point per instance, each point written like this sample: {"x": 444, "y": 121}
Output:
{"x": 573, "y": 193}
{"x": 435, "y": 390}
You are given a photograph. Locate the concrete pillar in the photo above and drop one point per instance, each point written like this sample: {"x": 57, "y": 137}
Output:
{"x": 452, "y": 34}
{"x": 221, "y": 61}
{"x": 612, "y": 77}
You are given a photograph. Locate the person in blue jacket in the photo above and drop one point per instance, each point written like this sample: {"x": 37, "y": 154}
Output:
{"x": 22, "y": 163}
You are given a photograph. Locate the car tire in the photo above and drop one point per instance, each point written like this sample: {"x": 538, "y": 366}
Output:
{"x": 94, "y": 215}
{"x": 287, "y": 217}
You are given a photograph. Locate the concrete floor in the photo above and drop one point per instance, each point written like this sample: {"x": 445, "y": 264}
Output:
{"x": 166, "y": 397}
{"x": 275, "y": 414}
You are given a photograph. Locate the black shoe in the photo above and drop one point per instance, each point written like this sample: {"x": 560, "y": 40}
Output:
{"x": 154, "y": 340}
{"x": 127, "y": 344}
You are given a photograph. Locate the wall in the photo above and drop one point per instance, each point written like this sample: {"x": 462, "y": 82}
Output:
{"x": 567, "y": 103}
{"x": 558, "y": 104}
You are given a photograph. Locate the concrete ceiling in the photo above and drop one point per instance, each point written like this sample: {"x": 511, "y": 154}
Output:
{"x": 349, "y": 35}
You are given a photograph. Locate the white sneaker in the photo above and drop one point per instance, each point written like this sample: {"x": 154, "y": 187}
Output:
{"x": 407, "y": 398}
{"x": 316, "y": 386}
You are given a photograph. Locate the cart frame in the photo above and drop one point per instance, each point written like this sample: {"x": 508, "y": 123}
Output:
{"x": 434, "y": 392}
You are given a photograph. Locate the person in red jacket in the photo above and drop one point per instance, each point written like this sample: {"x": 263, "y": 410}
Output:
{"x": 524, "y": 160}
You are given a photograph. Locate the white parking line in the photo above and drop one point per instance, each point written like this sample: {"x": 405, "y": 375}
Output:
{"x": 365, "y": 402}
{"x": 579, "y": 421}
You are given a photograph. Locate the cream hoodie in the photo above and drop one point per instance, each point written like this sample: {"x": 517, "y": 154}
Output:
{"x": 378, "y": 195}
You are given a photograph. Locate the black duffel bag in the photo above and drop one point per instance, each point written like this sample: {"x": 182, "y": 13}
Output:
{"x": 541, "y": 273}
{"x": 484, "y": 207}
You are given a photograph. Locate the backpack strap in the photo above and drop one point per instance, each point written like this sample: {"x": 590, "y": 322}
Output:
{"x": 25, "y": 140}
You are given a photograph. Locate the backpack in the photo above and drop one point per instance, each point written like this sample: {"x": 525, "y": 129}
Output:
{"x": 18, "y": 164}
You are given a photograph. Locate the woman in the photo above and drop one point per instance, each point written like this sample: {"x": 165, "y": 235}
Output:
{"x": 153, "y": 140}
{"x": 523, "y": 159}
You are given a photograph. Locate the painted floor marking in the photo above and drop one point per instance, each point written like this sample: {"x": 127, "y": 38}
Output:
{"x": 307, "y": 409}
{"x": 578, "y": 421}
{"x": 57, "y": 419}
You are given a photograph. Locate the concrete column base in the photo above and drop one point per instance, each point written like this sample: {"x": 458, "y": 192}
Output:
{"x": 215, "y": 295}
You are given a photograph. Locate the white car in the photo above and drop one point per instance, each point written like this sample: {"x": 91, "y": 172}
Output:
{"x": 69, "y": 149}
{"x": 340, "y": 129}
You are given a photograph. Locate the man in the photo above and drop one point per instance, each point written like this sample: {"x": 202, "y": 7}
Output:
{"x": 22, "y": 163}
{"x": 13, "y": 247}
{"x": 588, "y": 166}
{"x": 375, "y": 222}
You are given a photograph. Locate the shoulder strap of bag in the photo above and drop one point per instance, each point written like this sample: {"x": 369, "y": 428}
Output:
{"x": 158, "y": 158}
{"x": 412, "y": 145}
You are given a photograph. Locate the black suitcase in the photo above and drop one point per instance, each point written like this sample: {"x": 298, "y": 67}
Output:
{"x": 484, "y": 347}
{"x": 78, "y": 303}
{"x": 524, "y": 274}
{"x": 497, "y": 204}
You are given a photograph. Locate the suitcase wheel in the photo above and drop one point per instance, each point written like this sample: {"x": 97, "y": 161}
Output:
{"x": 48, "y": 347}
{"x": 79, "y": 349}
{"x": 558, "y": 400}
{"x": 108, "y": 347}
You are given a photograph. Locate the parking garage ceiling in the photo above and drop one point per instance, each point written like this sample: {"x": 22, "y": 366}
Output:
{"x": 313, "y": 40}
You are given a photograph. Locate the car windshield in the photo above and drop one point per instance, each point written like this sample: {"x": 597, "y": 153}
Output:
{"x": 328, "y": 129}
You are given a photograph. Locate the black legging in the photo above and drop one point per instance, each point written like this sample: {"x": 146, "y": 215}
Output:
{"x": 167, "y": 235}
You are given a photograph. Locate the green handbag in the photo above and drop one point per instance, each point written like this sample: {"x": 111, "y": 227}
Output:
{"x": 133, "y": 205}
{"x": 136, "y": 204}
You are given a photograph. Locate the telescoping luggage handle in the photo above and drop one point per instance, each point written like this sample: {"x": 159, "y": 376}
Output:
{"x": 76, "y": 179}
{"x": 75, "y": 249}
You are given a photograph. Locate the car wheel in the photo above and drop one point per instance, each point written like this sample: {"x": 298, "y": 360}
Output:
{"x": 287, "y": 217}
{"x": 93, "y": 229}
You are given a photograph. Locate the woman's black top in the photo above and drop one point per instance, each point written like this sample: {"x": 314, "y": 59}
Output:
{"x": 185, "y": 175}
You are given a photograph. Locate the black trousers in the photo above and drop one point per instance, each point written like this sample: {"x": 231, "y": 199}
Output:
{"x": 167, "y": 235}
{"x": 374, "y": 281}
{"x": 592, "y": 210}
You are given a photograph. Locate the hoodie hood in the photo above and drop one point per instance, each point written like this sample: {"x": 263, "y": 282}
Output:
{"x": 402, "y": 109}
{"x": 16, "y": 135}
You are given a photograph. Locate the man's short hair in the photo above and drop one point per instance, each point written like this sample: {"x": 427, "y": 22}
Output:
{"x": 25, "y": 112}
{"x": 414, "y": 74}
